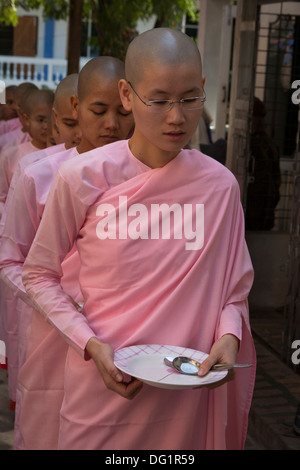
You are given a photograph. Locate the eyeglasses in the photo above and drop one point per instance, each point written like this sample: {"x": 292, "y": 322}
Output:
{"x": 163, "y": 106}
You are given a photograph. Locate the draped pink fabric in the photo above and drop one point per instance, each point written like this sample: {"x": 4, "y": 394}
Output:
{"x": 183, "y": 283}
{"x": 8, "y": 160}
{"x": 17, "y": 136}
{"x": 10, "y": 315}
{"x": 26, "y": 207}
{"x": 10, "y": 125}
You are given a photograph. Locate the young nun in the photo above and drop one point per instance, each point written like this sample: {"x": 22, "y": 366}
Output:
{"x": 9, "y": 112}
{"x": 13, "y": 311}
{"x": 9, "y": 116}
{"x": 19, "y": 134}
{"x": 143, "y": 283}
{"x": 102, "y": 119}
{"x": 37, "y": 110}
{"x": 29, "y": 100}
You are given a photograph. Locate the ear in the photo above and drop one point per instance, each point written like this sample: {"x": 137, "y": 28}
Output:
{"x": 75, "y": 105}
{"x": 25, "y": 118}
{"x": 125, "y": 94}
{"x": 55, "y": 115}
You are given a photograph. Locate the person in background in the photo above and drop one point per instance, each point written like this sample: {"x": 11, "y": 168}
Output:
{"x": 263, "y": 192}
{"x": 9, "y": 109}
{"x": 37, "y": 109}
{"x": 17, "y": 134}
{"x": 101, "y": 117}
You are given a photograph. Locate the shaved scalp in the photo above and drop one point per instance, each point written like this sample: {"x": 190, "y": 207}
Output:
{"x": 161, "y": 46}
{"x": 34, "y": 98}
{"x": 23, "y": 89}
{"x": 98, "y": 69}
{"x": 66, "y": 88}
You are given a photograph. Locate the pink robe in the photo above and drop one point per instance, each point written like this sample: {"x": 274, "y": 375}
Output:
{"x": 14, "y": 137}
{"x": 141, "y": 287}
{"x": 8, "y": 160}
{"x": 10, "y": 125}
{"x": 9, "y": 324}
{"x": 22, "y": 220}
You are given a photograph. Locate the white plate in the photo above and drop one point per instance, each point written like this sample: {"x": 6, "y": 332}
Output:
{"x": 146, "y": 363}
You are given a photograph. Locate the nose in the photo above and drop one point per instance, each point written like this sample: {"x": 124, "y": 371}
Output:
{"x": 77, "y": 133}
{"x": 111, "y": 121}
{"x": 176, "y": 114}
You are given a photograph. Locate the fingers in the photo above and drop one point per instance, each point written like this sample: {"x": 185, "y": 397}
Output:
{"x": 114, "y": 380}
{"x": 127, "y": 390}
{"x": 206, "y": 365}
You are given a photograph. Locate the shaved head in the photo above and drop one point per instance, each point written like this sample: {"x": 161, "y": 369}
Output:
{"x": 36, "y": 97}
{"x": 99, "y": 69}
{"x": 23, "y": 90}
{"x": 160, "y": 46}
{"x": 66, "y": 88}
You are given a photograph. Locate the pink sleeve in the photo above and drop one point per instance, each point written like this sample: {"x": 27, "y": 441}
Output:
{"x": 231, "y": 320}
{"x": 4, "y": 175}
{"x": 62, "y": 219}
{"x": 18, "y": 231}
{"x": 240, "y": 276}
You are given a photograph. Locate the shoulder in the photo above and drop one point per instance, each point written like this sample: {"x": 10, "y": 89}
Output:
{"x": 94, "y": 172}
{"x": 97, "y": 163}
{"x": 208, "y": 169}
{"x": 49, "y": 162}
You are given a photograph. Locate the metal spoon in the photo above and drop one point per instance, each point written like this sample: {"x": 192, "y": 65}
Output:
{"x": 186, "y": 365}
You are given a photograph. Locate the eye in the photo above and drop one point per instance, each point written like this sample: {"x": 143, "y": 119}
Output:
{"x": 124, "y": 113}
{"x": 159, "y": 102}
{"x": 98, "y": 113}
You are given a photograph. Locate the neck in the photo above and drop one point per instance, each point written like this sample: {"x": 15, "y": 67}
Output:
{"x": 150, "y": 155}
{"x": 38, "y": 145}
{"x": 84, "y": 146}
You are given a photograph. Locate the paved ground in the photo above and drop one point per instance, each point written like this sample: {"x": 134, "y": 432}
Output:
{"x": 276, "y": 394}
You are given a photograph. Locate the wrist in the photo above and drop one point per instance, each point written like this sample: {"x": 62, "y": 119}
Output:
{"x": 91, "y": 347}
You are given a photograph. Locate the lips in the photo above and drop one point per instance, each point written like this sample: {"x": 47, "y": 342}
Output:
{"x": 174, "y": 135}
{"x": 109, "y": 138}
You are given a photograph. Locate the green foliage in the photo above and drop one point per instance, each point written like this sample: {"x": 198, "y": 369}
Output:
{"x": 8, "y": 14}
{"x": 58, "y": 9}
{"x": 115, "y": 20}
{"x": 169, "y": 13}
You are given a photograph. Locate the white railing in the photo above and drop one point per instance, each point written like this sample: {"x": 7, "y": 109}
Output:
{"x": 42, "y": 72}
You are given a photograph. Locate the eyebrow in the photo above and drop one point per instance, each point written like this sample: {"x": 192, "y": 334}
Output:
{"x": 162, "y": 92}
{"x": 99, "y": 103}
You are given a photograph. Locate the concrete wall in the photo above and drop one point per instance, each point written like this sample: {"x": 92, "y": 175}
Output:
{"x": 269, "y": 252}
